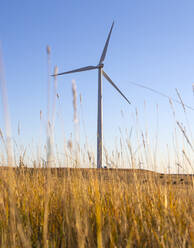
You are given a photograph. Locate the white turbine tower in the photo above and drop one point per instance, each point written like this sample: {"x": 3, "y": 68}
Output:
{"x": 100, "y": 73}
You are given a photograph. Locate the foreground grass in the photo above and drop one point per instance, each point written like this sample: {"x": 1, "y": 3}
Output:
{"x": 92, "y": 208}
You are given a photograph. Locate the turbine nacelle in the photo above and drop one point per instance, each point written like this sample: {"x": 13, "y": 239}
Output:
{"x": 100, "y": 65}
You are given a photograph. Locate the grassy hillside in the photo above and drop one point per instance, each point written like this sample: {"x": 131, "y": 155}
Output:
{"x": 95, "y": 208}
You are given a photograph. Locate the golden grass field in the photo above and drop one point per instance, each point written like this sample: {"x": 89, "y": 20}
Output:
{"x": 95, "y": 208}
{"x": 74, "y": 207}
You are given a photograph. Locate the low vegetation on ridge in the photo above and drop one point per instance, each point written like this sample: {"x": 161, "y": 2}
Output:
{"x": 95, "y": 208}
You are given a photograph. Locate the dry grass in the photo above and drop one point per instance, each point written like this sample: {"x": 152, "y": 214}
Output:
{"x": 95, "y": 208}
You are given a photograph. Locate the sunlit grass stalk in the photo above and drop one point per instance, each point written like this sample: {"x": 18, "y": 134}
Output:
{"x": 9, "y": 145}
{"x": 76, "y": 123}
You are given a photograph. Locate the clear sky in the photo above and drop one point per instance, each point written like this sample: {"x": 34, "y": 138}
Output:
{"x": 152, "y": 43}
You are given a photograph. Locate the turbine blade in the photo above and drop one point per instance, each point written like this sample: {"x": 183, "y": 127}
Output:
{"x": 87, "y": 68}
{"x": 106, "y": 46}
{"x": 114, "y": 85}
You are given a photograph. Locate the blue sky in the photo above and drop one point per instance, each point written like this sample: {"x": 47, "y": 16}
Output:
{"x": 152, "y": 43}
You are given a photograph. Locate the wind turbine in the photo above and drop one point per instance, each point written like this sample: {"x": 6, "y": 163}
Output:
{"x": 100, "y": 73}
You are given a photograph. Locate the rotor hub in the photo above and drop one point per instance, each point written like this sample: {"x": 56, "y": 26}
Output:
{"x": 100, "y": 65}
